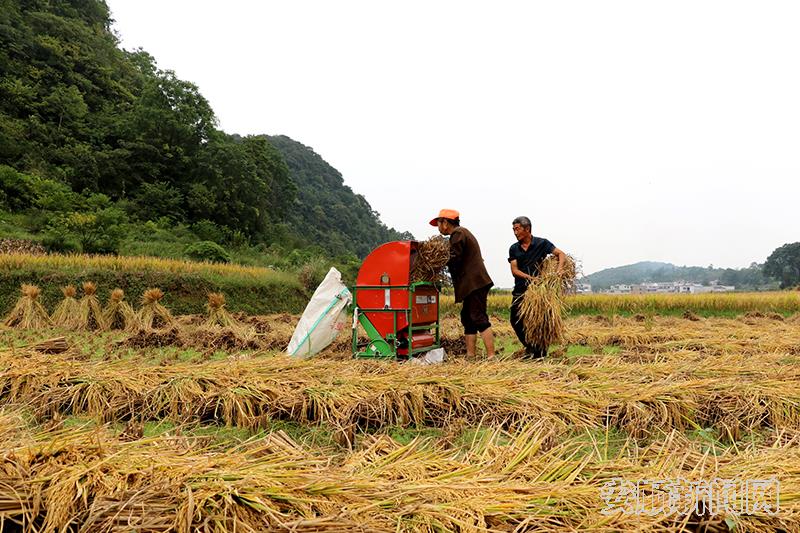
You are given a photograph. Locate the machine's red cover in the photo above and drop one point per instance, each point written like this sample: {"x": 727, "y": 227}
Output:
{"x": 390, "y": 264}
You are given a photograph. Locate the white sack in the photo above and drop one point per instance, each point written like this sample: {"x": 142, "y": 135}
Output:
{"x": 324, "y": 318}
{"x": 431, "y": 357}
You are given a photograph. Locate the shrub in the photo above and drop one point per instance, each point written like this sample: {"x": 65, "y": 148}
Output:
{"x": 312, "y": 273}
{"x": 96, "y": 232}
{"x": 57, "y": 240}
{"x": 207, "y": 251}
{"x": 208, "y": 231}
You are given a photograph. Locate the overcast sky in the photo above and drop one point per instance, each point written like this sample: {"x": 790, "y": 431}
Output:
{"x": 627, "y": 131}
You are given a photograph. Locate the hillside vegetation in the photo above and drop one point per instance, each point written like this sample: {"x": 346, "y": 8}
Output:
{"x": 103, "y": 152}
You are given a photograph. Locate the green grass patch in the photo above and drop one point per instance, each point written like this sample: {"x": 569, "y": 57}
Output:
{"x": 577, "y": 350}
{"x": 478, "y": 437}
{"x": 406, "y": 435}
{"x": 602, "y": 443}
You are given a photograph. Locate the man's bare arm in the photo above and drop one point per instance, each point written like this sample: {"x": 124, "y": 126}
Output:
{"x": 517, "y": 273}
{"x": 562, "y": 258}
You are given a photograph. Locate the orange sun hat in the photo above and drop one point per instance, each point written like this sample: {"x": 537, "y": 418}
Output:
{"x": 452, "y": 214}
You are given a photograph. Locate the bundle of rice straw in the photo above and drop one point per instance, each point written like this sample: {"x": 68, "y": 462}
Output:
{"x": 90, "y": 317}
{"x": 28, "y": 313}
{"x": 67, "y": 314}
{"x": 543, "y": 305}
{"x": 119, "y": 314}
{"x": 432, "y": 257}
{"x": 217, "y": 314}
{"x": 153, "y": 315}
{"x": 52, "y": 346}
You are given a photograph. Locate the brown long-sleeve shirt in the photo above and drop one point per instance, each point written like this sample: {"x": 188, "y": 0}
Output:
{"x": 466, "y": 263}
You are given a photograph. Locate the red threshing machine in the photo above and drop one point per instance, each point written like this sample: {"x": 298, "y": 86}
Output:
{"x": 399, "y": 317}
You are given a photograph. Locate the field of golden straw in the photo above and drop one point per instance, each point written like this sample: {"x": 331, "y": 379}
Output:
{"x": 671, "y": 414}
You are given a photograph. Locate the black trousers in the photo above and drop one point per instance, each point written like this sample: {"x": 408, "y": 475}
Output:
{"x": 532, "y": 351}
{"x": 474, "y": 317}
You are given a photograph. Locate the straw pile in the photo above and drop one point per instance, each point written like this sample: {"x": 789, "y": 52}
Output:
{"x": 432, "y": 257}
{"x": 224, "y": 338}
{"x": 543, "y": 303}
{"x": 519, "y": 479}
{"x": 67, "y": 314}
{"x": 731, "y": 394}
{"x": 119, "y": 314}
{"x": 691, "y": 315}
{"x": 154, "y": 338}
{"x": 153, "y": 315}
{"x": 28, "y": 313}
{"x": 90, "y": 317}
{"x": 509, "y": 481}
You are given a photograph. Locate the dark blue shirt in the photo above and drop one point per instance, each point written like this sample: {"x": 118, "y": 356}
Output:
{"x": 529, "y": 261}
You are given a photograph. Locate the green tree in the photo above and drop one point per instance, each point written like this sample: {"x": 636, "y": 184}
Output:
{"x": 89, "y": 132}
{"x": 783, "y": 264}
{"x": 156, "y": 200}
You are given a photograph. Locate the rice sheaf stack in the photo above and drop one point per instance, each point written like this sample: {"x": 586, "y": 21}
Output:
{"x": 67, "y": 314}
{"x": 218, "y": 315}
{"x": 90, "y": 315}
{"x": 28, "y": 313}
{"x": 153, "y": 315}
{"x": 119, "y": 314}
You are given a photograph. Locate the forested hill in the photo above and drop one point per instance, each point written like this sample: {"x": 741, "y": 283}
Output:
{"x": 651, "y": 271}
{"x": 327, "y": 210}
{"x": 101, "y": 151}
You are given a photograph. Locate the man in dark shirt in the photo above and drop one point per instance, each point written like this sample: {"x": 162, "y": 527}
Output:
{"x": 526, "y": 257}
{"x": 471, "y": 281}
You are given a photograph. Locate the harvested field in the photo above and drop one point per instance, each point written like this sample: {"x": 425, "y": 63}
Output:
{"x": 243, "y": 437}
{"x": 505, "y": 481}
{"x": 732, "y": 395}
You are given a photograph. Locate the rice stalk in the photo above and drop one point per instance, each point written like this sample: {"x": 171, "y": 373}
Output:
{"x": 28, "y": 312}
{"x": 221, "y": 331}
{"x": 52, "y": 346}
{"x": 228, "y": 338}
{"x": 431, "y": 259}
{"x": 542, "y": 308}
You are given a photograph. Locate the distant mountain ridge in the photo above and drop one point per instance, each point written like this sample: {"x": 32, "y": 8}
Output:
{"x": 751, "y": 277}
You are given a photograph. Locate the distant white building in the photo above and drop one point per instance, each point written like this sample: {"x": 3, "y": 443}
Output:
{"x": 679, "y": 287}
{"x": 723, "y": 288}
{"x": 620, "y": 289}
{"x": 583, "y": 288}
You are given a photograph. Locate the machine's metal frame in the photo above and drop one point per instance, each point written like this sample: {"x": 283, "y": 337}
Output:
{"x": 380, "y": 347}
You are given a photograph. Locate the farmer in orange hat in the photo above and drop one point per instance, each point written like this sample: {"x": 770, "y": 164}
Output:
{"x": 471, "y": 281}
